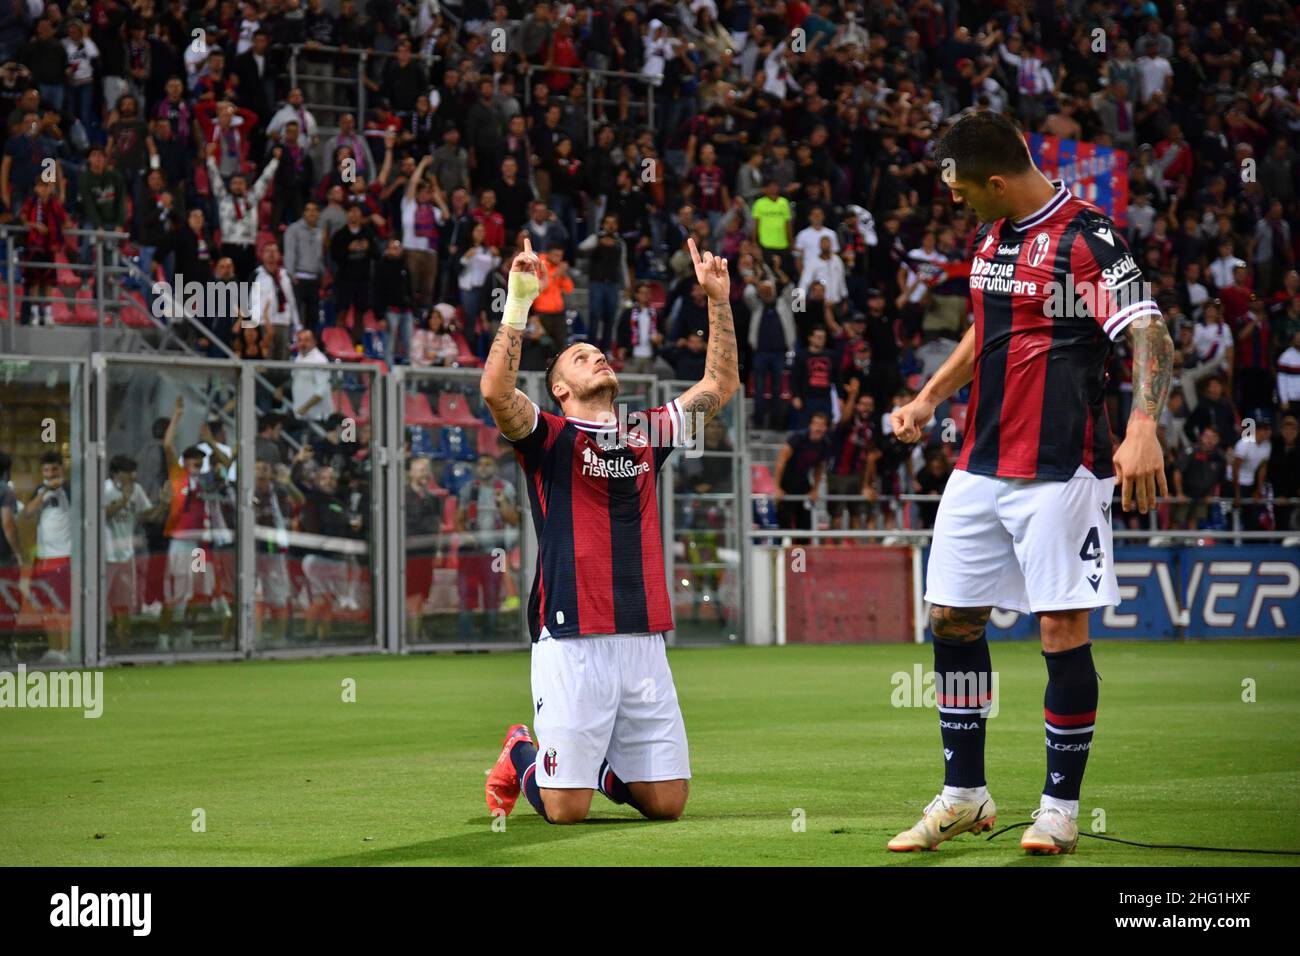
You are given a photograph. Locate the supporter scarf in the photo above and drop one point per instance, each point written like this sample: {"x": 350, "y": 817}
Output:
{"x": 426, "y": 222}
{"x": 653, "y": 321}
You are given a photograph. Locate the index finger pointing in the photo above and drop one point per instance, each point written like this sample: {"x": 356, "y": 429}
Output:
{"x": 528, "y": 246}
{"x": 695, "y": 253}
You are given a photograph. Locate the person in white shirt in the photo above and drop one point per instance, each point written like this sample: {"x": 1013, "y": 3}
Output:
{"x": 1288, "y": 376}
{"x": 50, "y": 588}
{"x": 124, "y": 503}
{"x": 423, "y": 212}
{"x": 274, "y": 306}
{"x": 808, "y": 243}
{"x": 828, "y": 269}
{"x": 1250, "y": 470}
{"x": 1213, "y": 341}
{"x": 295, "y": 111}
{"x": 82, "y": 54}
{"x": 1222, "y": 269}
{"x": 313, "y": 394}
{"x": 1154, "y": 72}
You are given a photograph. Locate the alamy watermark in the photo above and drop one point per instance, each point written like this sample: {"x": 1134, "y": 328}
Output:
{"x": 956, "y": 694}
{"x": 75, "y": 690}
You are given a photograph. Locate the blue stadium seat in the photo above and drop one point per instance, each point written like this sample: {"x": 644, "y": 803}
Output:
{"x": 422, "y": 442}
{"x": 456, "y": 475}
{"x": 455, "y": 444}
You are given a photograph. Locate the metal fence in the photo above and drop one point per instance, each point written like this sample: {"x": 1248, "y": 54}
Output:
{"x": 427, "y": 543}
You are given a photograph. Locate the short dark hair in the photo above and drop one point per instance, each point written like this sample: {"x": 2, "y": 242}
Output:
{"x": 550, "y": 370}
{"x": 52, "y": 458}
{"x": 121, "y": 463}
{"x": 983, "y": 144}
{"x": 194, "y": 451}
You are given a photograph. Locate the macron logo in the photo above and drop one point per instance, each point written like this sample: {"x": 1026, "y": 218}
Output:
{"x": 76, "y": 909}
{"x": 1105, "y": 236}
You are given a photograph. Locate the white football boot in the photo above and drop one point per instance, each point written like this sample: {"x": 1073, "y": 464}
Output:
{"x": 1052, "y": 832}
{"x": 943, "y": 819}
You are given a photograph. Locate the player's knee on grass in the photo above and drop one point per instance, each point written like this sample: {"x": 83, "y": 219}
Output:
{"x": 661, "y": 800}
{"x": 566, "y": 806}
{"x": 958, "y": 624}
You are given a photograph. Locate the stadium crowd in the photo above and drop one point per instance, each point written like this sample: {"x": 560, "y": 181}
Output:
{"x": 790, "y": 137}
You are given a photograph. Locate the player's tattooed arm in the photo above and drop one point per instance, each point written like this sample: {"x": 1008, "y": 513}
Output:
{"x": 721, "y": 379}
{"x": 958, "y": 623}
{"x": 1153, "y": 365}
{"x": 511, "y": 409}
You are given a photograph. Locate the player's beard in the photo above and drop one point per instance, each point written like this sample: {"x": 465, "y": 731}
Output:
{"x": 603, "y": 389}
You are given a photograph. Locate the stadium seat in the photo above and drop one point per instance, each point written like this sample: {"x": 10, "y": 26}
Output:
{"x": 657, "y": 295}
{"x": 487, "y": 441}
{"x": 454, "y": 409}
{"x": 338, "y": 344}
{"x": 449, "y": 505}
{"x": 416, "y": 411}
{"x": 455, "y": 444}
{"x": 765, "y": 513}
{"x": 456, "y": 475}
{"x": 465, "y": 357}
{"x": 958, "y": 414}
{"x": 422, "y": 441}
{"x": 760, "y": 480}
{"x": 343, "y": 404}
{"x": 915, "y": 381}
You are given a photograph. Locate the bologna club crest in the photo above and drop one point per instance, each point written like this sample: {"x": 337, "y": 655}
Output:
{"x": 549, "y": 762}
{"x": 1041, "y": 242}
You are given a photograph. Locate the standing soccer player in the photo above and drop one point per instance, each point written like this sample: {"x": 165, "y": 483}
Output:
{"x": 605, "y": 707}
{"x": 1024, "y": 523}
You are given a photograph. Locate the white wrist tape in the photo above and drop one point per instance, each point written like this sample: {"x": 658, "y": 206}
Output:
{"x": 521, "y": 291}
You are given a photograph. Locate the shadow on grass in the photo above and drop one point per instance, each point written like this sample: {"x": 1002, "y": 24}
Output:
{"x": 481, "y": 848}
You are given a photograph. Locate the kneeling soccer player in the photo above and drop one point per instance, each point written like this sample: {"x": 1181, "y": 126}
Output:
{"x": 1024, "y": 523}
{"x": 605, "y": 708}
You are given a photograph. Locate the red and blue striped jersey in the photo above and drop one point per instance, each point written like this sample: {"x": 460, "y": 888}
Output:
{"x": 1050, "y": 292}
{"x": 595, "y": 503}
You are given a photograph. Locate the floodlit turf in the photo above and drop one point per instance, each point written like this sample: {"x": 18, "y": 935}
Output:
{"x": 287, "y": 773}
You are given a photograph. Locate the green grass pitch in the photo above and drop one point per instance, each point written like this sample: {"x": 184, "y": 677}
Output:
{"x": 288, "y": 773}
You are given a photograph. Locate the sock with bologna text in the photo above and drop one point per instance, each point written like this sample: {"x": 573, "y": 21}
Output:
{"x": 963, "y": 686}
{"x": 1070, "y": 712}
{"x": 524, "y": 757}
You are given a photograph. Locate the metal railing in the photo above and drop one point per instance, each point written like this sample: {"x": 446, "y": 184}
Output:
{"x": 593, "y": 91}
{"x": 356, "y": 79}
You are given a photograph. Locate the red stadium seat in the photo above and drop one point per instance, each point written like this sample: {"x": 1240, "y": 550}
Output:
{"x": 657, "y": 295}
{"x": 760, "y": 480}
{"x": 449, "y": 514}
{"x": 338, "y": 344}
{"x": 416, "y": 411}
{"x": 453, "y": 409}
{"x": 487, "y": 441}
{"x": 915, "y": 381}
{"x": 343, "y": 404}
{"x": 958, "y": 414}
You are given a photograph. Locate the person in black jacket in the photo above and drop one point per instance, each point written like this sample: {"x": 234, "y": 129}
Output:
{"x": 330, "y": 572}
{"x": 393, "y": 301}
{"x": 294, "y": 177}
{"x": 256, "y": 91}
{"x": 353, "y": 249}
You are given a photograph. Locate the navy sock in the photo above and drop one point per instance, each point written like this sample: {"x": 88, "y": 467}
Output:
{"x": 607, "y": 782}
{"x": 1069, "y": 710}
{"x": 963, "y": 686}
{"x": 524, "y": 756}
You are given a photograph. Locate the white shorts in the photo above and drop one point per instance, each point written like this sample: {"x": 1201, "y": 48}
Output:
{"x": 183, "y": 584}
{"x": 1023, "y": 545}
{"x": 609, "y": 696}
{"x": 272, "y": 587}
